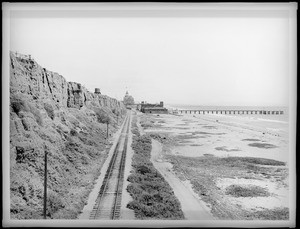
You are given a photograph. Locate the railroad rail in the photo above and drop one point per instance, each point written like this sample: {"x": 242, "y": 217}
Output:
{"x": 108, "y": 202}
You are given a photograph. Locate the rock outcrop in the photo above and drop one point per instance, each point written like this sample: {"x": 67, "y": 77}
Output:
{"x": 47, "y": 113}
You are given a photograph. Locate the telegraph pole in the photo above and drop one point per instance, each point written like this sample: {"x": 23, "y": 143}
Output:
{"x": 107, "y": 131}
{"x": 45, "y": 184}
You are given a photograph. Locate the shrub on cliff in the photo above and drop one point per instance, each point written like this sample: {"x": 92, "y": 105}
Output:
{"x": 102, "y": 116}
{"x": 37, "y": 115}
{"x": 116, "y": 111}
{"x": 49, "y": 109}
{"x": 78, "y": 90}
{"x": 18, "y": 104}
{"x": 73, "y": 132}
{"x": 54, "y": 203}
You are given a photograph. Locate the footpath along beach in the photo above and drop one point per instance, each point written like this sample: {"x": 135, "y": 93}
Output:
{"x": 236, "y": 166}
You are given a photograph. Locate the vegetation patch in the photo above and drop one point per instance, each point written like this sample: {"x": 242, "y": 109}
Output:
{"x": 190, "y": 121}
{"x": 37, "y": 115}
{"x": 253, "y": 160}
{"x": 161, "y": 137}
{"x": 183, "y": 128}
{"x": 224, "y": 148}
{"x": 181, "y": 124}
{"x": 49, "y": 109}
{"x": 147, "y": 121}
{"x": 196, "y": 144}
{"x": 18, "y": 104}
{"x": 147, "y": 125}
{"x": 262, "y": 145}
{"x": 210, "y": 127}
{"x": 251, "y": 139}
{"x": 270, "y": 214}
{"x": 186, "y": 139}
{"x": 103, "y": 116}
{"x": 153, "y": 198}
{"x": 205, "y": 133}
{"x": 186, "y": 136}
{"x": 183, "y": 142}
{"x": 199, "y": 132}
{"x": 203, "y": 171}
{"x": 246, "y": 191}
{"x": 73, "y": 132}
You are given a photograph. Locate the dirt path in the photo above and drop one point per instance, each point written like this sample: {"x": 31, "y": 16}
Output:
{"x": 192, "y": 207}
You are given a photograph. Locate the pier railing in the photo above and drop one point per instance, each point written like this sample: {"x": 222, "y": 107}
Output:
{"x": 258, "y": 112}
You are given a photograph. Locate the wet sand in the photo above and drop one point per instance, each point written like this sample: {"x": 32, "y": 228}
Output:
{"x": 226, "y": 135}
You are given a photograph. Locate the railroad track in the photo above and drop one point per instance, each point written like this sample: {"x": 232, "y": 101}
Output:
{"x": 108, "y": 202}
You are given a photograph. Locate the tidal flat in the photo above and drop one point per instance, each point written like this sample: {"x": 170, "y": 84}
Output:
{"x": 237, "y": 165}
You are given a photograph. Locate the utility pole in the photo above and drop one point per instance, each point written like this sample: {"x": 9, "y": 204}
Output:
{"x": 45, "y": 184}
{"x": 107, "y": 131}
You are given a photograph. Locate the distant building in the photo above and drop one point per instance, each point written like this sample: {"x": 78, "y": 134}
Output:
{"x": 153, "y": 108}
{"x": 97, "y": 91}
{"x": 128, "y": 100}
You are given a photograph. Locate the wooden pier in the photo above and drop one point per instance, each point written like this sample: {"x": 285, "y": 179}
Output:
{"x": 258, "y": 112}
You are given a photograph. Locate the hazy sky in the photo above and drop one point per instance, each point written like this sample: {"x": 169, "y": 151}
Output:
{"x": 205, "y": 60}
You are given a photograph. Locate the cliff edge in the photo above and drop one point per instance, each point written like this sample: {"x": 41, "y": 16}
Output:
{"x": 49, "y": 114}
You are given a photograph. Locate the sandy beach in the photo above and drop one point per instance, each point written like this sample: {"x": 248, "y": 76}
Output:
{"x": 236, "y": 165}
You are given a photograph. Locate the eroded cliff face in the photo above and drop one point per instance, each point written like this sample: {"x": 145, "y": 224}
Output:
{"x": 47, "y": 113}
{"x": 28, "y": 78}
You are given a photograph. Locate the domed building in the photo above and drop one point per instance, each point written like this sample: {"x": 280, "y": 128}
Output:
{"x": 128, "y": 99}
